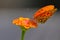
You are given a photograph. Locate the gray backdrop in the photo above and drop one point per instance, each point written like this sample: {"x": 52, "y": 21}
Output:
{"x": 27, "y": 3}
{"x": 8, "y": 31}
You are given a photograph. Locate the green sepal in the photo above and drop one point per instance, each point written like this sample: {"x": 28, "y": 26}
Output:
{"x": 22, "y": 28}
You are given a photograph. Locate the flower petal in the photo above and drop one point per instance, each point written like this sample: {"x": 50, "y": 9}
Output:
{"x": 25, "y": 22}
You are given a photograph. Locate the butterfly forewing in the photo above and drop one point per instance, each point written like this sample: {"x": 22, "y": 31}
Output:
{"x": 43, "y": 14}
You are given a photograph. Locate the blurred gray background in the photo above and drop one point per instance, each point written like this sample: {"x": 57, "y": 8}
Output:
{"x": 28, "y": 3}
{"x": 10, "y": 9}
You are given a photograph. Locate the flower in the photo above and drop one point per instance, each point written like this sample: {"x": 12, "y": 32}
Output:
{"x": 43, "y": 14}
{"x": 25, "y": 22}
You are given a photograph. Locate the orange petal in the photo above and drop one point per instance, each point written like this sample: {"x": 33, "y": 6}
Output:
{"x": 33, "y": 24}
{"x": 25, "y": 22}
{"x": 15, "y": 21}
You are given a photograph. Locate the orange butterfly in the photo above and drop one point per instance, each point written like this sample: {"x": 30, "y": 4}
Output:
{"x": 44, "y": 13}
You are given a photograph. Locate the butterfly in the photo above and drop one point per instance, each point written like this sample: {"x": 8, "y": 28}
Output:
{"x": 44, "y": 13}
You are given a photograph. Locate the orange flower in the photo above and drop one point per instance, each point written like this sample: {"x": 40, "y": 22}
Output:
{"x": 25, "y": 23}
{"x": 44, "y": 13}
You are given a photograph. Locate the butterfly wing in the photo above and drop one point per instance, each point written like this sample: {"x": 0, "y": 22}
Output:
{"x": 43, "y": 14}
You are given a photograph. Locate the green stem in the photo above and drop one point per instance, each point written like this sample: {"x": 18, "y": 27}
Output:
{"x": 23, "y": 33}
